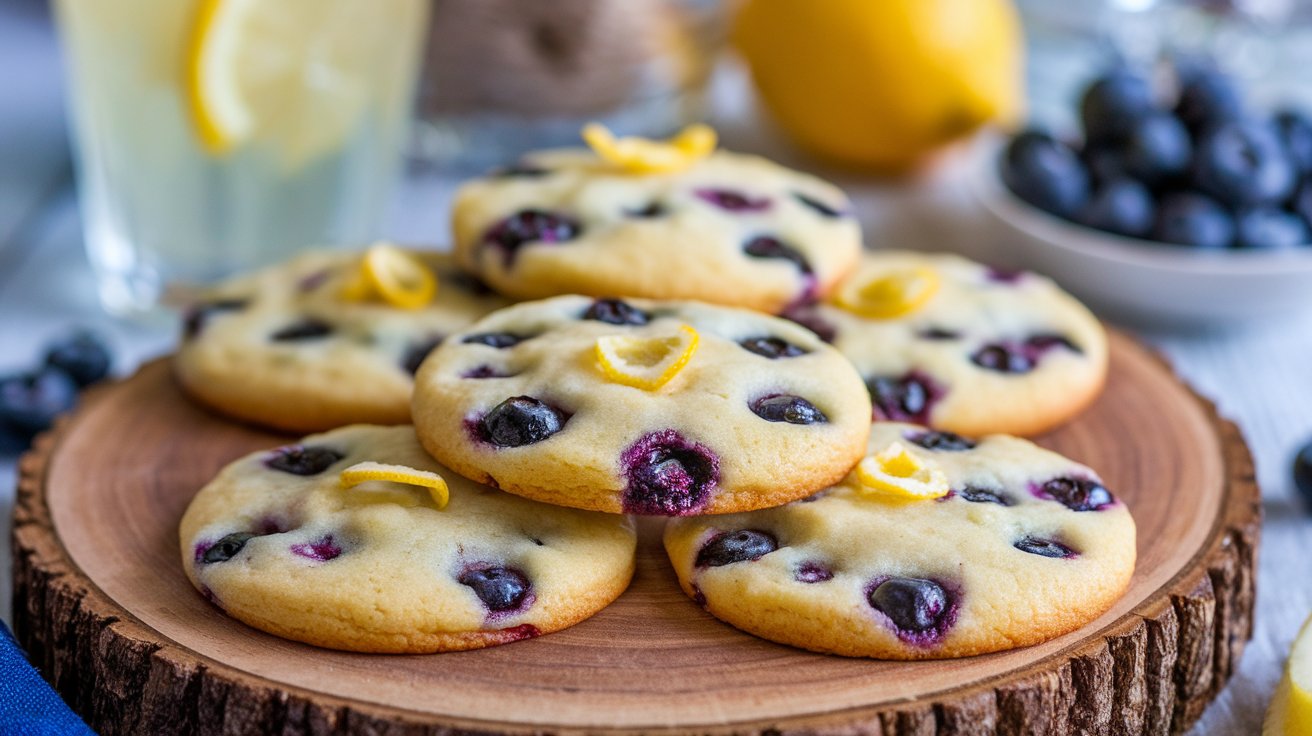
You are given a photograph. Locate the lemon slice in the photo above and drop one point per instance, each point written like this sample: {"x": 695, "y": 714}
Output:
{"x": 646, "y": 156}
{"x": 895, "y": 472}
{"x": 890, "y": 294}
{"x": 1290, "y": 713}
{"x": 297, "y": 74}
{"x": 646, "y": 362}
{"x": 399, "y": 277}
{"x": 367, "y": 471}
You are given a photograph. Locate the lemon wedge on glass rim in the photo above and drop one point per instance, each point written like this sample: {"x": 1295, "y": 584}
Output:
{"x": 1290, "y": 713}
{"x": 646, "y": 362}
{"x": 368, "y": 470}
{"x": 295, "y": 74}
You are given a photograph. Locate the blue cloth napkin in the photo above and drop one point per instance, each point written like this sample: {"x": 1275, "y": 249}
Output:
{"x": 28, "y": 707}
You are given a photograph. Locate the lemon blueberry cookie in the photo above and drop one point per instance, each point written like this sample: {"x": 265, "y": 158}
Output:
{"x": 945, "y": 341}
{"x": 649, "y": 407}
{"x": 934, "y": 546}
{"x": 357, "y": 540}
{"x": 671, "y": 220}
{"x": 327, "y": 338}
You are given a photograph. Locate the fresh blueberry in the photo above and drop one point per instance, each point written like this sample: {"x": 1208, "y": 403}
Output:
{"x": 226, "y": 548}
{"x": 1003, "y": 358}
{"x": 1268, "y": 228}
{"x": 302, "y": 460}
{"x": 1303, "y": 474}
{"x": 1113, "y": 103}
{"x": 1188, "y": 218}
{"x": 902, "y": 398}
{"x": 82, "y": 356}
{"x": 12, "y": 439}
{"x": 1077, "y": 494}
{"x": 914, "y": 605}
{"x": 30, "y": 401}
{"x": 668, "y": 475}
{"x": 616, "y": 312}
{"x": 521, "y": 420}
{"x": 500, "y": 588}
{"x": 1208, "y": 98}
{"x": 199, "y": 314}
{"x": 416, "y": 352}
{"x": 309, "y": 328}
{"x": 530, "y": 226}
{"x": 764, "y": 246}
{"x": 977, "y": 494}
{"x": 733, "y": 201}
{"x": 944, "y": 441}
{"x": 1121, "y": 206}
{"x": 820, "y": 207}
{"x": 744, "y": 545}
{"x": 497, "y": 340}
{"x": 1046, "y": 173}
{"x": 771, "y": 347}
{"x": 1244, "y": 163}
{"x": 1158, "y": 148}
{"x": 1044, "y": 547}
{"x": 789, "y": 409}
{"x": 1295, "y": 131}
{"x": 1105, "y": 161}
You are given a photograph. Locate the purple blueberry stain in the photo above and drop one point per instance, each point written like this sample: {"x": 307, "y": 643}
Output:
{"x": 1038, "y": 345}
{"x": 788, "y": 409}
{"x": 920, "y": 610}
{"x": 615, "y": 312}
{"x": 1076, "y": 494}
{"x": 668, "y": 475}
{"x": 907, "y": 398}
{"x": 1004, "y": 275}
{"x": 200, "y": 314}
{"x": 485, "y": 371}
{"x": 1045, "y": 548}
{"x": 502, "y": 590}
{"x": 498, "y": 340}
{"x": 416, "y": 352}
{"x": 530, "y": 226}
{"x": 818, "y": 206}
{"x": 698, "y": 596}
{"x": 732, "y": 200}
{"x": 309, "y": 328}
{"x": 517, "y": 633}
{"x": 808, "y": 316}
{"x": 811, "y": 572}
{"x": 519, "y": 421}
{"x": 321, "y": 550}
{"x": 301, "y": 459}
{"x": 744, "y": 545}
{"x": 771, "y": 347}
{"x": 940, "y": 441}
{"x": 312, "y": 281}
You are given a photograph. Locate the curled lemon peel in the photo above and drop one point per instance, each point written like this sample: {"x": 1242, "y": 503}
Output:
{"x": 646, "y": 156}
{"x": 647, "y": 363}
{"x": 896, "y": 472}
{"x": 891, "y": 293}
{"x": 393, "y": 275}
{"x": 369, "y": 470}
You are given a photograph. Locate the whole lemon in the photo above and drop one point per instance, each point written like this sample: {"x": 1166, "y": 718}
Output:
{"x": 882, "y": 84}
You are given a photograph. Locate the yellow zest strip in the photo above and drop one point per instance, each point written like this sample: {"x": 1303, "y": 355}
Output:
{"x": 647, "y": 363}
{"x": 368, "y": 470}
{"x": 891, "y": 294}
{"x": 896, "y": 472}
{"x": 646, "y": 156}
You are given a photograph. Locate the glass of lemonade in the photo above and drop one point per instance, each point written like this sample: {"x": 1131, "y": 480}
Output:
{"x": 219, "y": 135}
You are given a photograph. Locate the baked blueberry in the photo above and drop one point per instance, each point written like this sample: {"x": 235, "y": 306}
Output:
{"x": 520, "y": 170}
{"x": 531, "y": 226}
{"x": 1111, "y": 106}
{"x": 1244, "y": 163}
{"x": 743, "y": 545}
{"x": 902, "y": 398}
{"x": 1122, "y": 206}
{"x": 771, "y": 347}
{"x": 1189, "y": 218}
{"x": 302, "y": 460}
{"x": 732, "y": 200}
{"x": 1003, "y": 358}
{"x": 978, "y": 494}
{"x": 30, "y": 401}
{"x": 309, "y": 328}
{"x": 668, "y": 475}
{"x": 83, "y": 356}
{"x": 1077, "y": 494}
{"x": 647, "y": 211}
{"x": 500, "y": 588}
{"x": 226, "y": 548}
{"x": 809, "y": 317}
{"x": 494, "y": 339}
{"x": 812, "y": 572}
{"x": 914, "y": 605}
{"x": 1044, "y": 547}
{"x": 1268, "y": 228}
{"x": 789, "y": 409}
{"x": 1046, "y": 173}
{"x": 820, "y": 207}
{"x": 521, "y": 420}
{"x": 199, "y": 314}
{"x": 764, "y": 246}
{"x": 944, "y": 441}
{"x": 415, "y": 354}
{"x": 616, "y": 312}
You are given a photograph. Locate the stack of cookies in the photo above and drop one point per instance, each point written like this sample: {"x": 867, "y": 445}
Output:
{"x": 708, "y": 342}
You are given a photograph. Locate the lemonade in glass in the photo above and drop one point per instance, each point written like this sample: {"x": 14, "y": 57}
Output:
{"x": 219, "y": 135}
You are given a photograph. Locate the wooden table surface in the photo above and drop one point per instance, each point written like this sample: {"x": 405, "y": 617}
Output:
{"x": 1261, "y": 376}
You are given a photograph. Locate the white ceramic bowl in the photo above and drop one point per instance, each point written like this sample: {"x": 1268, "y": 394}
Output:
{"x": 1139, "y": 281}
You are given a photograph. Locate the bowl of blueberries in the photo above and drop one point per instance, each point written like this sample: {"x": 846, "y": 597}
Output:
{"x": 1178, "y": 204}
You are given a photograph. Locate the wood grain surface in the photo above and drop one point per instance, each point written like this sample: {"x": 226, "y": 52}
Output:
{"x": 106, "y": 612}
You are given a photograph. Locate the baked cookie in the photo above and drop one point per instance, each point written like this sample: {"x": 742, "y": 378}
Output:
{"x": 646, "y": 407}
{"x": 279, "y": 541}
{"x": 1024, "y": 546}
{"x": 729, "y": 229}
{"x": 949, "y": 343}
{"x": 305, "y": 346}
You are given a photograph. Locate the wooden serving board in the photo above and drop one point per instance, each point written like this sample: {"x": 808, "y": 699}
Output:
{"x": 103, "y": 607}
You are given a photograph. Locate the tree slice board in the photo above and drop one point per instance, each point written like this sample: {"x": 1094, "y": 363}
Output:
{"x": 103, "y": 607}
